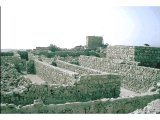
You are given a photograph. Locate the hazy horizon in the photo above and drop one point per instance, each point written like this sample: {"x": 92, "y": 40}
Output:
{"x": 29, "y": 24}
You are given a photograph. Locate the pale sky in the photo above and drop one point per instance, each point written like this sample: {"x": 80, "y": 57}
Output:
{"x": 66, "y": 23}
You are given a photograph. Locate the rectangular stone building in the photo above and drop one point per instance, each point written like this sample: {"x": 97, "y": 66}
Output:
{"x": 147, "y": 56}
{"x": 93, "y": 42}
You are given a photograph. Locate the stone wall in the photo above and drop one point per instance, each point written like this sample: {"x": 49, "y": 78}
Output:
{"x": 88, "y": 87}
{"x": 118, "y": 106}
{"x": 67, "y": 86}
{"x": 54, "y": 75}
{"x": 42, "y": 58}
{"x": 147, "y": 56}
{"x": 76, "y": 68}
{"x": 135, "y": 78}
{"x": 121, "y": 52}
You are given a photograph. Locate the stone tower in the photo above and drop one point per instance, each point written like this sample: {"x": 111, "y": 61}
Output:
{"x": 93, "y": 42}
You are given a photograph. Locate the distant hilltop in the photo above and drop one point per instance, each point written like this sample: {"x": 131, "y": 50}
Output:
{"x": 7, "y": 50}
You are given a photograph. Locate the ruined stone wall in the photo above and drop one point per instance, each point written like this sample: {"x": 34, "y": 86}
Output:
{"x": 88, "y": 87}
{"x": 136, "y": 78}
{"x": 54, "y": 75}
{"x": 120, "y": 105}
{"x": 42, "y": 58}
{"x": 76, "y": 68}
{"x": 121, "y": 52}
{"x": 147, "y": 56}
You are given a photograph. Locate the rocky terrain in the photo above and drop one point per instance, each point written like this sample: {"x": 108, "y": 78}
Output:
{"x": 152, "y": 108}
{"x": 10, "y": 77}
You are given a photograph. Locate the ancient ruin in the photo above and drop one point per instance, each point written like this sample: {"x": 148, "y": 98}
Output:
{"x": 126, "y": 80}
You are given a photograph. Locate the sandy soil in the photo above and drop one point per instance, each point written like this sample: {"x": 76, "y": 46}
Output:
{"x": 127, "y": 93}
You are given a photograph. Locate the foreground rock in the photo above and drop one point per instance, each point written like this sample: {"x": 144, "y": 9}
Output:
{"x": 152, "y": 108}
{"x": 11, "y": 78}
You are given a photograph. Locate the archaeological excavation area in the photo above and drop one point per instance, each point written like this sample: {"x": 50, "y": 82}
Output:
{"x": 124, "y": 80}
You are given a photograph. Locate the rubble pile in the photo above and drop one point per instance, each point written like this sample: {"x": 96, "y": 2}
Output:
{"x": 10, "y": 77}
{"x": 152, "y": 108}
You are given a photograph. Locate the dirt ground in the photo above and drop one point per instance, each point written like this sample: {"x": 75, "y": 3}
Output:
{"x": 127, "y": 93}
{"x": 35, "y": 79}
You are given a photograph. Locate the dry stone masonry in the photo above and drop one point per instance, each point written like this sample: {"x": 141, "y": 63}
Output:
{"x": 54, "y": 75}
{"x": 92, "y": 87}
{"x": 135, "y": 78}
{"x": 101, "y": 85}
{"x": 76, "y": 68}
{"x": 65, "y": 86}
{"x": 147, "y": 56}
{"x": 88, "y": 87}
{"x": 118, "y": 106}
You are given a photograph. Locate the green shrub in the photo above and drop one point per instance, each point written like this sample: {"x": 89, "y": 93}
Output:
{"x": 69, "y": 53}
{"x": 76, "y": 53}
{"x": 50, "y": 55}
{"x": 158, "y": 65}
{"x": 23, "y": 54}
{"x": 20, "y": 64}
{"x": 54, "y": 63}
{"x": 54, "y": 48}
{"x": 7, "y": 53}
{"x": 93, "y": 53}
{"x": 30, "y": 67}
{"x": 17, "y": 66}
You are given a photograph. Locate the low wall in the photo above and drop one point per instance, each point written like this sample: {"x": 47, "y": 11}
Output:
{"x": 135, "y": 78}
{"x": 54, "y": 75}
{"x": 76, "y": 68}
{"x": 118, "y": 106}
{"x": 87, "y": 87}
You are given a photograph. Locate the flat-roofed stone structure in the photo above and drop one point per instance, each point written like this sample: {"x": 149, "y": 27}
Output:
{"x": 147, "y": 56}
{"x": 93, "y": 42}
